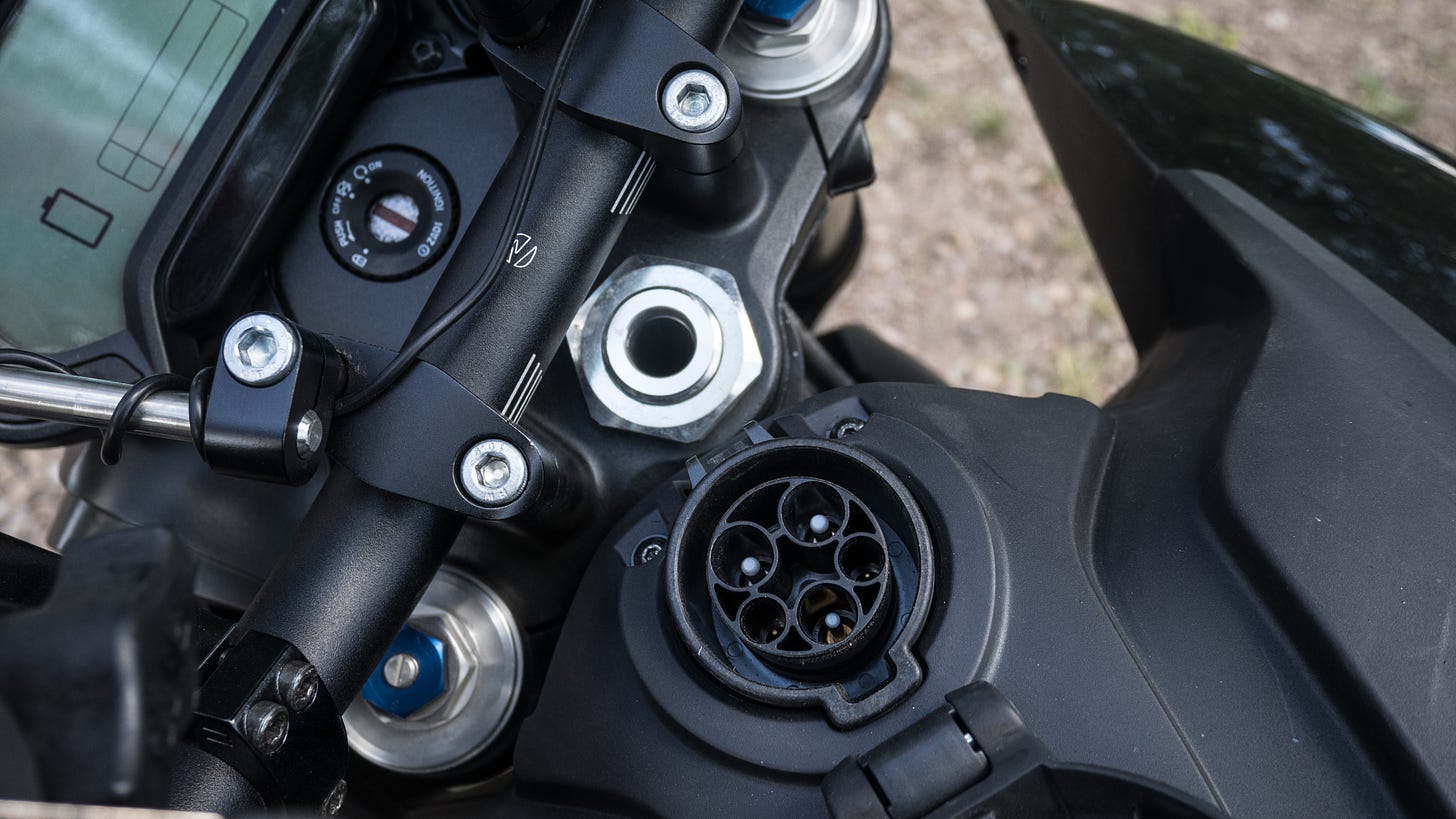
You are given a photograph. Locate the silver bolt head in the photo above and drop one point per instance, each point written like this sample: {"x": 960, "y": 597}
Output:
{"x": 257, "y": 346}
{"x": 260, "y": 348}
{"x": 298, "y": 684}
{"x": 695, "y": 101}
{"x": 309, "y": 435}
{"x": 401, "y": 670}
{"x": 334, "y": 802}
{"x": 266, "y": 724}
{"x": 493, "y": 472}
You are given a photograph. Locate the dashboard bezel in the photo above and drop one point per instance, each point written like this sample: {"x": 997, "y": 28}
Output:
{"x": 313, "y": 61}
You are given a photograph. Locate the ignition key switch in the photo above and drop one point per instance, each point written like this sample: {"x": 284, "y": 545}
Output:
{"x": 389, "y": 213}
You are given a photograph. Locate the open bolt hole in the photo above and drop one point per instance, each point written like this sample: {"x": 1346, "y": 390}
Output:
{"x": 742, "y": 556}
{"x": 763, "y": 619}
{"x": 813, "y": 512}
{"x": 861, "y": 559}
{"x": 661, "y": 344}
{"x": 828, "y": 613}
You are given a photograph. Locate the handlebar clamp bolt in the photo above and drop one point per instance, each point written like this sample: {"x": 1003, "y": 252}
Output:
{"x": 260, "y": 349}
{"x": 695, "y": 101}
{"x": 298, "y": 684}
{"x": 267, "y": 726}
{"x": 493, "y": 472}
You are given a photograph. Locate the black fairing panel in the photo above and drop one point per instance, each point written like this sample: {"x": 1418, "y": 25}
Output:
{"x": 1122, "y": 99}
{"x": 1317, "y": 418}
{"x": 1331, "y": 463}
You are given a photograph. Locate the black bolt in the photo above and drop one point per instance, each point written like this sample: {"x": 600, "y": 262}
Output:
{"x": 335, "y": 800}
{"x": 647, "y": 551}
{"x": 298, "y": 684}
{"x": 267, "y": 726}
{"x": 426, "y": 54}
{"x": 846, "y": 428}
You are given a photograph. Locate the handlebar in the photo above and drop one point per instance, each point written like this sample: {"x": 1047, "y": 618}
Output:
{"x": 363, "y": 557}
{"x": 92, "y": 402}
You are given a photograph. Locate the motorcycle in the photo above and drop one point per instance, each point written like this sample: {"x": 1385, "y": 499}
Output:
{"x": 464, "y": 446}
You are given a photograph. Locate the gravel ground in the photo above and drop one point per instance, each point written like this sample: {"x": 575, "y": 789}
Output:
{"x": 975, "y": 258}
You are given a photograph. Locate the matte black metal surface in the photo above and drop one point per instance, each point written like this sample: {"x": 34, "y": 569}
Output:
{"x": 358, "y": 565}
{"x": 98, "y": 678}
{"x": 470, "y": 146}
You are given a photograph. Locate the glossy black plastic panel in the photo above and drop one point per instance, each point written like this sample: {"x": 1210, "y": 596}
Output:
{"x": 1382, "y": 200}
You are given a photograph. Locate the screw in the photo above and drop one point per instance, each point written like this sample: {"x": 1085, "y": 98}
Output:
{"x": 266, "y": 725}
{"x": 401, "y": 670}
{"x": 426, "y": 54}
{"x": 647, "y": 551}
{"x": 256, "y": 347}
{"x": 846, "y": 428}
{"x": 298, "y": 684}
{"x": 309, "y": 436}
{"x": 493, "y": 472}
{"x": 334, "y": 802}
{"x": 695, "y": 101}
{"x": 259, "y": 349}
{"x": 400, "y": 688}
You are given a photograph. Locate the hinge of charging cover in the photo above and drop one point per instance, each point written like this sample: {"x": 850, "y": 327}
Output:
{"x": 975, "y": 756}
{"x": 976, "y": 737}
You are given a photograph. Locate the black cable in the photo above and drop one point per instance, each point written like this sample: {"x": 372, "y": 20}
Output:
{"x": 416, "y": 346}
{"x": 131, "y": 401}
{"x": 38, "y": 432}
{"x": 111, "y": 435}
{"x": 197, "y": 406}
{"x": 34, "y": 361}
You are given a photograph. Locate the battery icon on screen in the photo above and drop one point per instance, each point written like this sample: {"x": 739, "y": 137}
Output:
{"x": 73, "y": 216}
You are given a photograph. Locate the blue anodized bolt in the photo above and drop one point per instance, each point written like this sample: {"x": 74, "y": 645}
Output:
{"x": 411, "y": 675}
{"x": 782, "y": 12}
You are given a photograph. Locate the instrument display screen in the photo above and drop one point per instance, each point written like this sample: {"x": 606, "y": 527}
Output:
{"x": 99, "y": 103}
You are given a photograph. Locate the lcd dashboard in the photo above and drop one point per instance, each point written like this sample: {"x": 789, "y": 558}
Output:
{"x": 99, "y": 102}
